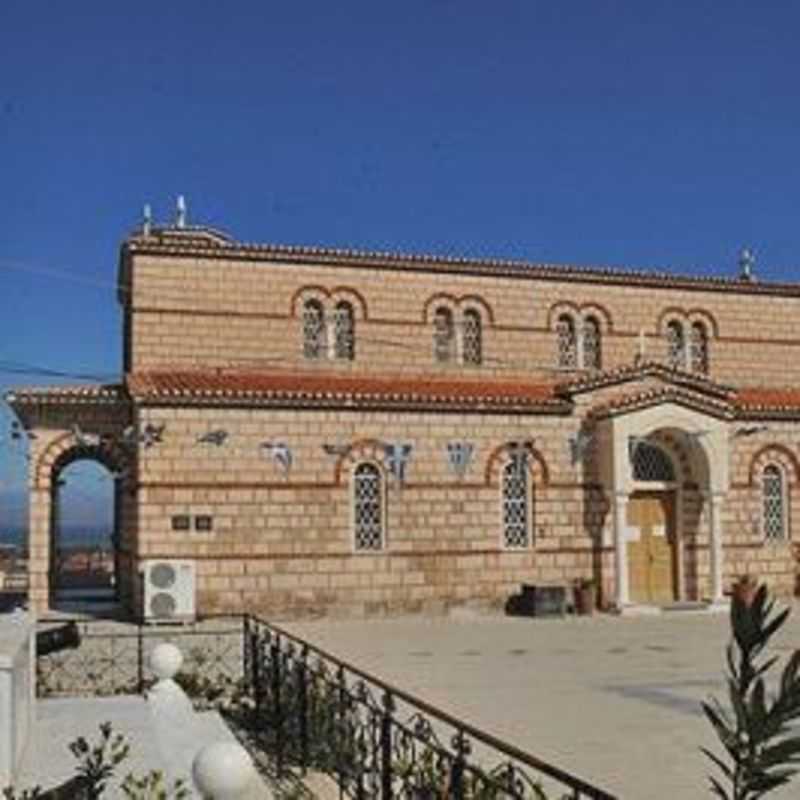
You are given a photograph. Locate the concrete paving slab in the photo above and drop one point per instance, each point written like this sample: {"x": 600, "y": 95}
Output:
{"x": 613, "y": 700}
{"x": 48, "y": 761}
{"x": 155, "y": 741}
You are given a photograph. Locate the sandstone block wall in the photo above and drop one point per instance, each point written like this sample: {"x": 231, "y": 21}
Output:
{"x": 283, "y": 542}
{"x": 207, "y": 312}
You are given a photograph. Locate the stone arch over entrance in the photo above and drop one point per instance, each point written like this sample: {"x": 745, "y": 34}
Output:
{"x": 60, "y": 451}
{"x": 697, "y": 445}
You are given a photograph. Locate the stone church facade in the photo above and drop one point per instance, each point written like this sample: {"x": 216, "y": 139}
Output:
{"x": 339, "y": 432}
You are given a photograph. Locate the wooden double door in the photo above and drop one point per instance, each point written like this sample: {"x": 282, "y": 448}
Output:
{"x": 652, "y": 547}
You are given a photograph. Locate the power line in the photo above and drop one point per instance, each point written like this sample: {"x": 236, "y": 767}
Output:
{"x": 23, "y": 368}
{"x": 162, "y": 294}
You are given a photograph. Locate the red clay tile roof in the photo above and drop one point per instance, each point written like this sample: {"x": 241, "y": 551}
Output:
{"x": 587, "y": 382}
{"x": 635, "y": 400}
{"x": 745, "y": 403}
{"x": 400, "y": 391}
{"x": 208, "y": 243}
{"x": 752, "y": 401}
{"x": 82, "y": 393}
{"x": 315, "y": 389}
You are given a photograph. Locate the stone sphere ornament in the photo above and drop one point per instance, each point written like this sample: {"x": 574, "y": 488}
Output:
{"x": 223, "y": 771}
{"x": 165, "y": 661}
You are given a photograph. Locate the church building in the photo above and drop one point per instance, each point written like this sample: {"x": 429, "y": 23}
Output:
{"x": 323, "y": 431}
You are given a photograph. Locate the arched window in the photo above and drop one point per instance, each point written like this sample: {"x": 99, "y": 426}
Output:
{"x": 591, "y": 344}
{"x": 773, "y": 498}
{"x": 344, "y": 331}
{"x": 368, "y": 527}
{"x": 698, "y": 348}
{"x": 676, "y": 345}
{"x": 566, "y": 345}
{"x": 516, "y": 503}
{"x": 443, "y": 335}
{"x": 472, "y": 341}
{"x": 314, "y": 338}
{"x": 651, "y": 463}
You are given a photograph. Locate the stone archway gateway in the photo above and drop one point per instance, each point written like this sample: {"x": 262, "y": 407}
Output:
{"x": 44, "y": 531}
{"x": 64, "y": 425}
{"x": 84, "y": 547}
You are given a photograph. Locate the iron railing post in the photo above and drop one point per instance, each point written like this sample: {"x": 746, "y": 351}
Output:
{"x": 255, "y": 674}
{"x": 275, "y": 667}
{"x": 139, "y": 658}
{"x": 461, "y": 746}
{"x": 387, "y": 701}
{"x": 246, "y": 665}
{"x": 341, "y": 744}
{"x": 302, "y": 690}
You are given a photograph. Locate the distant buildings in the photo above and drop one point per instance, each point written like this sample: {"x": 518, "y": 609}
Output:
{"x": 327, "y": 431}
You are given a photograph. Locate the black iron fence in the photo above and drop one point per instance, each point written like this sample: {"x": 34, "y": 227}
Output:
{"x": 114, "y": 658}
{"x": 315, "y": 712}
{"x": 308, "y": 711}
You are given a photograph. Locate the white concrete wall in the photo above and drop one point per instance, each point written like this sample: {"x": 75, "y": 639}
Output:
{"x": 17, "y": 690}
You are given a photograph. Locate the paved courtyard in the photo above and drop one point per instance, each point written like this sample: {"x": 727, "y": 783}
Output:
{"x": 613, "y": 700}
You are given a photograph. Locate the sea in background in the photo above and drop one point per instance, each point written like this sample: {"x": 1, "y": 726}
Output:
{"x": 69, "y": 537}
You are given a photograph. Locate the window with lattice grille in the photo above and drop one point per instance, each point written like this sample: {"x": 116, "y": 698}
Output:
{"x": 676, "y": 345}
{"x": 443, "y": 335}
{"x": 591, "y": 343}
{"x": 774, "y": 503}
{"x": 516, "y": 503}
{"x": 698, "y": 348}
{"x": 368, "y": 507}
{"x": 472, "y": 341}
{"x": 344, "y": 331}
{"x": 567, "y": 351}
{"x": 651, "y": 463}
{"x": 314, "y": 338}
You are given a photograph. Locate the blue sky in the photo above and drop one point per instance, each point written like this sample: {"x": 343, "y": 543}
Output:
{"x": 620, "y": 133}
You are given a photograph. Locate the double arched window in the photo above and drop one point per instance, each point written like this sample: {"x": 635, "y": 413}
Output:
{"x": 344, "y": 331}
{"x": 517, "y": 503}
{"x": 369, "y": 528}
{"x": 676, "y": 345}
{"x": 698, "y": 348}
{"x": 449, "y": 346}
{"x": 329, "y": 336}
{"x": 566, "y": 342}
{"x": 472, "y": 338}
{"x": 315, "y": 343}
{"x": 687, "y": 353}
{"x": 773, "y": 503}
{"x": 590, "y": 341}
{"x": 444, "y": 335}
{"x": 578, "y": 344}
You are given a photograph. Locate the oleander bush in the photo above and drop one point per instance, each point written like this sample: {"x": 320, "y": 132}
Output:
{"x": 761, "y": 748}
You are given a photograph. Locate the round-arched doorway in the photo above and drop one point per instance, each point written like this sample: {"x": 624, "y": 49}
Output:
{"x": 83, "y": 535}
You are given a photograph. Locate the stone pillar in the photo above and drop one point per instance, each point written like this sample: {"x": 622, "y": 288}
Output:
{"x": 715, "y": 546}
{"x": 622, "y": 597}
{"x": 39, "y": 522}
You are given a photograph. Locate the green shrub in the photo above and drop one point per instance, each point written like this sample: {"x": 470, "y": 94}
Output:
{"x": 96, "y": 763}
{"x": 761, "y": 749}
{"x": 151, "y": 787}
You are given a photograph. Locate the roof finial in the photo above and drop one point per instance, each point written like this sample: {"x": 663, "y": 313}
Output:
{"x": 180, "y": 212}
{"x": 746, "y": 263}
{"x": 147, "y": 219}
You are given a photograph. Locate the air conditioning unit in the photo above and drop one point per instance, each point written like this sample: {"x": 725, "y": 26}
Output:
{"x": 168, "y": 590}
